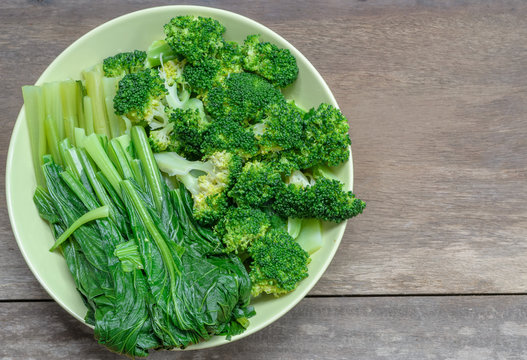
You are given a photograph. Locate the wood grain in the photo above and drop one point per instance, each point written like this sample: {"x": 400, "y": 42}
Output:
{"x": 436, "y": 96}
{"x": 401, "y": 328}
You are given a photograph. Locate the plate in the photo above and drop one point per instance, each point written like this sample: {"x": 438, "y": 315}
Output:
{"x": 129, "y": 32}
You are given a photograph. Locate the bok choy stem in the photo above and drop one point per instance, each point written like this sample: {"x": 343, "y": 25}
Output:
{"x": 150, "y": 169}
{"x": 98, "y": 213}
{"x": 151, "y": 227}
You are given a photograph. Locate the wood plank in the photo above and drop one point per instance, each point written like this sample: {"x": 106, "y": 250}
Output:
{"x": 436, "y": 96}
{"x": 471, "y": 327}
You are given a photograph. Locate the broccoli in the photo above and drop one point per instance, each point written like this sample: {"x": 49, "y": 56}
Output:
{"x": 320, "y": 198}
{"x": 267, "y": 60}
{"x": 241, "y": 97}
{"x": 162, "y": 138}
{"x": 278, "y": 265}
{"x": 172, "y": 74}
{"x": 139, "y": 97}
{"x": 257, "y": 185}
{"x": 188, "y": 126}
{"x": 124, "y": 63}
{"x": 208, "y": 72}
{"x": 194, "y": 37}
{"x": 147, "y": 97}
{"x": 281, "y": 163}
{"x": 326, "y": 138}
{"x": 227, "y": 134}
{"x": 201, "y": 76}
{"x": 193, "y": 135}
{"x": 231, "y": 58}
{"x": 182, "y": 133}
{"x": 241, "y": 226}
{"x": 208, "y": 190}
{"x": 280, "y": 127}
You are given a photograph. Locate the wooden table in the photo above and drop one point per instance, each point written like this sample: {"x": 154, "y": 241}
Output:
{"x": 436, "y": 94}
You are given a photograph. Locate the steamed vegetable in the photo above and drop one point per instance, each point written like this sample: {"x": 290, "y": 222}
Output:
{"x": 179, "y": 182}
{"x": 194, "y": 290}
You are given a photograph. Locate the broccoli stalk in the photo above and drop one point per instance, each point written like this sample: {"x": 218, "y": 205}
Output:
{"x": 159, "y": 51}
{"x": 307, "y": 232}
{"x": 209, "y": 190}
{"x": 294, "y": 224}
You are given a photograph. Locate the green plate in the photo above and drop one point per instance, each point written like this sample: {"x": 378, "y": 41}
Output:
{"x": 136, "y": 31}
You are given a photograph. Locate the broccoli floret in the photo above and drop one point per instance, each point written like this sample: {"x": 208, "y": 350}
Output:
{"x": 162, "y": 138}
{"x": 266, "y": 59}
{"x": 241, "y": 97}
{"x": 182, "y": 133}
{"x": 208, "y": 190}
{"x": 227, "y": 134}
{"x": 326, "y": 138}
{"x": 280, "y": 127}
{"x": 139, "y": 97}
{"x": 257, "y": 185}
{"x": 321, "y": 198}
{"x": 281, "y": 163}
{"x": 241, "y": 226}
{"x": 147, "y": 97}
{"x": 208, "y": 72}
{"x": 124, "y": 63}
{"x": 188, "y": 127}
{"x": 194, "y": 37}
{"x": 201, "y": 76}
{"x": 172, "y": 74}
{"x": 231, "y": 58}
{"x": 279, "y": 263}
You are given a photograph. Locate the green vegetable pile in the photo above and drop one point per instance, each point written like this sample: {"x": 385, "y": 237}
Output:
{"x": 179, "y": 182}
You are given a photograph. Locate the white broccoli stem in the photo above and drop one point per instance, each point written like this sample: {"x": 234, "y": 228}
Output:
{"x": 325, "y": 171}
{"x": 191, "y": 183}
{"x": 173, "y": 164}
{"x": 310, "y": 237}
{"x": 298, "y": 178}
{"x": 196, "y": 104}
{"x": 294, "y": 225}
{"x": 158, "y": 114}
{"x": 173, "y": 99}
